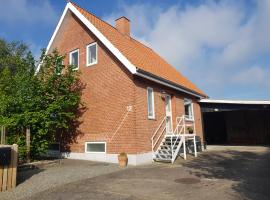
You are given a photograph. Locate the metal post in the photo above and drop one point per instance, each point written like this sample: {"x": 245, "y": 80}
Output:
{"x": 185, "y": 154}
{"x": 152, "y": 150}
{"x": 195, "y": 147}
{"x": 28, "y": 136}
{"x": 172, "y": 149}
{"x": 3, "y": 135}
{"x": 184, "y": 124}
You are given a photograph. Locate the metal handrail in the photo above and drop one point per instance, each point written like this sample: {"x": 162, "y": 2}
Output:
{"x": 178, "y": 124}
{"x": 182, "y": 141}
{"x": 180, "y": 120}
{"x": 158, "y": 128}
{"x": 159, "y": 137}
{"x": 178, "y": 135}
{"x": 155, "y": 133}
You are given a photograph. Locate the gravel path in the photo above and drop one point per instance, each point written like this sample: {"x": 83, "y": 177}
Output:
{"x": 35, "y": 181}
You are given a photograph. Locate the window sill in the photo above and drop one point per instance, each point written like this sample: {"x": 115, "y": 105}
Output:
{"x": 95, "y": 152}
{"x": 152, "y": 118}
{"x": 89, "y": 65}
{"x": 190, "y": 120}
{"x": 76, "y": 69}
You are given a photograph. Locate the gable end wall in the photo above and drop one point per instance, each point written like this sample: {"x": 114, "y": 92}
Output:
{"x": 110, "y": 88}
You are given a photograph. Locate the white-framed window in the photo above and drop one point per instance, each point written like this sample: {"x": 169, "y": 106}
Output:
{"x": 91, "y": 54}
{"x": 74, "y": 59}
{"x": 189, "y": 115}
{"x": 150, "y": 103}
{"x": 95, "y": 147}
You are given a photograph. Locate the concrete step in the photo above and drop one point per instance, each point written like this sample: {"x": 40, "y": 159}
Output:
{"x": 161, "y": 154}
{"x": 163, "y": 147}
{"x": 164, "y": 152}
{"x": 162, "y": 160}
{"x": 169, "y": 143}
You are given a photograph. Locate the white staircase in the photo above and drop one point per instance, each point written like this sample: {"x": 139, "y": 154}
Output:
{"x": 166, "y": 146}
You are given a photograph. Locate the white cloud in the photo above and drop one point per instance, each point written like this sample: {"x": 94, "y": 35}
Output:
{"x": 23, "y": 12}
{"x": 192, "y": 30}
{"x": 142, "y": 17}
{"x": 252, "y": 39}
{"x": 210, "y": 42}
{"x": 254, "y": 75}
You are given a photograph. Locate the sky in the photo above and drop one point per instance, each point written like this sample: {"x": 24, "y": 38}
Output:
{"x": 223, "y": 46}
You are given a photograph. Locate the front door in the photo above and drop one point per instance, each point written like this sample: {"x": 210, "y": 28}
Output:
{"x": 168, "y": 107}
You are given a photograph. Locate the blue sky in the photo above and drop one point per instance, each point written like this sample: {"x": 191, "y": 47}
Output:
{"x": 222, "y": 46}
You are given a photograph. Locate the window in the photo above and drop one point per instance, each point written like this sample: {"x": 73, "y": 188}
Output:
{"x": 150, "y": 103}
{"x": 74, "y": 59}
{"x": 91, "y": 54}
{"x": 188, "y": 109}
{"x": 95, "y": 147}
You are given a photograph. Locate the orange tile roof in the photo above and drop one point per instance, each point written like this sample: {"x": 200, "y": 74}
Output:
{"x": 140, "y": 55}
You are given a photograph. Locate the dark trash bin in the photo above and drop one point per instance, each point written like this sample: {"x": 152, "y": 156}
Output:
{"x": 5, "y": 156}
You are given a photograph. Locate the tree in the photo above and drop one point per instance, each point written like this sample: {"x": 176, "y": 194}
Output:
{"x": 47, "y": 102}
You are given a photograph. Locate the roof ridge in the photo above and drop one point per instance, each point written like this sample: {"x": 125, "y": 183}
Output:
{"x": 94, "y": 15}
{"x": 109, "y": 24}
{"x": 141, "y": 43}
{"x": 139, "y": 54}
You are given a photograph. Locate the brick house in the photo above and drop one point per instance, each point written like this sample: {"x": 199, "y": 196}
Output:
{"x": 130, "y": 90}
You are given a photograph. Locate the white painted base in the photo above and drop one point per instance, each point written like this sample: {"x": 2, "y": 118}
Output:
{"x": 133, "y": 159}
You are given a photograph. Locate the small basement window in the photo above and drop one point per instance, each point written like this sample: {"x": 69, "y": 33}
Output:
{"x": 188, "y": 109}
{"x": 150, "y": 103}
{"x": 95, "y": 147}
{"x": 91, "y": 54}
{"x": 74, "y": 59}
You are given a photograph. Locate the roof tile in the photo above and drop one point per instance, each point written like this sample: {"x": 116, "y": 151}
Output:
{"x": 139, "y": 54}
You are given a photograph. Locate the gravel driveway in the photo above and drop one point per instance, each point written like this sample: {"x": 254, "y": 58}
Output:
{"x": 50, "y": 176}
{"x": 223, "y": 173}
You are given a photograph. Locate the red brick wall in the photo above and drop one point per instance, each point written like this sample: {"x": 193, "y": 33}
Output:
{"x": 110, "y": 88}
{"x": 145, "y": 127}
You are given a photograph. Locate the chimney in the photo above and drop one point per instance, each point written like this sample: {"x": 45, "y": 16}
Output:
{"x": 122, "y": 25}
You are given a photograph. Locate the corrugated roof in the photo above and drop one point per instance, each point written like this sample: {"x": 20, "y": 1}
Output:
{"x": 139, "y": 54}
{"x": 224, "y": 101}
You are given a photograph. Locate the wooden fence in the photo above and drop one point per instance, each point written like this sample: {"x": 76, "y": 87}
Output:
{"x": 8, "y": 173}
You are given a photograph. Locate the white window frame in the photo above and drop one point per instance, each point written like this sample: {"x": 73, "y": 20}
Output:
{"x": 153, "y": 104}
{"x": 87, "y": 52}
{"x": 70, "y": 53}
{"x": 85, "y": 146}
{"x": 189, "y": 101}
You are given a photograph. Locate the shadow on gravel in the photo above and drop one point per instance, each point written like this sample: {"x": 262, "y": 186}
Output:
{"x": 250, "y": 171}
{"x": 24, "y": 174}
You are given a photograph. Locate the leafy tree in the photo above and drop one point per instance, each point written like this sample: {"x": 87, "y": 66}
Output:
{"x": 47, "y": 101}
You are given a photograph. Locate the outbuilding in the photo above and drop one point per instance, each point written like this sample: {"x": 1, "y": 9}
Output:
{"x": 234, "y": 122}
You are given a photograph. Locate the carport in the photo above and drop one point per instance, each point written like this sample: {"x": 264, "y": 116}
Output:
{"x": 234, "y": 122}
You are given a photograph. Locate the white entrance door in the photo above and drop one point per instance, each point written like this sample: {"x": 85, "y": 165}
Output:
{"x": 168, "y": 106}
